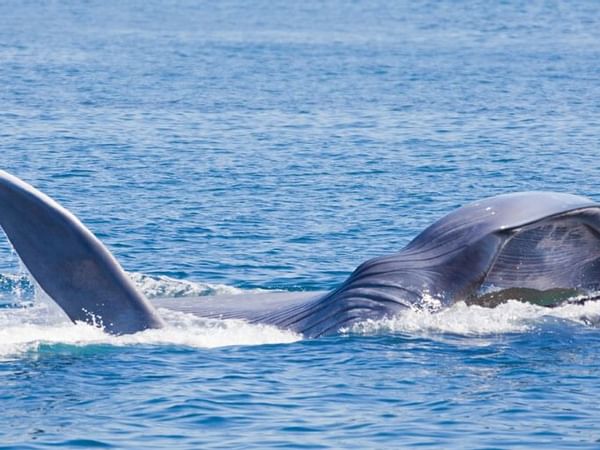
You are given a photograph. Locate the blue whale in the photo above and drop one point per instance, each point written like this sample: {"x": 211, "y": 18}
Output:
{"x": 539, "y": 247}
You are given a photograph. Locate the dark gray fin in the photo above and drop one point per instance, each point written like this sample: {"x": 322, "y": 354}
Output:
{"x": 69, "y": 263}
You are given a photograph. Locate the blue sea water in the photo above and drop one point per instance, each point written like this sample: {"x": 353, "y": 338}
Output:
{"x": 226, "y": 147}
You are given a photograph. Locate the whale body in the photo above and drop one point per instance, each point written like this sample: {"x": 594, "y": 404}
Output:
{"x": 540, "y": 247}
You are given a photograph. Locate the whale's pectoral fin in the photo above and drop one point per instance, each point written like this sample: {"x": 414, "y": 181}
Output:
{"x": 69, "y": 263}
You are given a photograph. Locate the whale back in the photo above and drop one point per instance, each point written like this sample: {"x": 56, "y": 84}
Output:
{"x": 504, "y": 212}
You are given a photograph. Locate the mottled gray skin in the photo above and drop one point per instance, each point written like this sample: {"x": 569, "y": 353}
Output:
{"x": 535, "y": 246}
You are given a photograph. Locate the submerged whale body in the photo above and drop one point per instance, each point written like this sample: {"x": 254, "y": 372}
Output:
{"x": 540, "y": 247}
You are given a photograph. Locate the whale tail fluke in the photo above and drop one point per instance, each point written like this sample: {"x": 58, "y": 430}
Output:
{"x": 69, "y": 263}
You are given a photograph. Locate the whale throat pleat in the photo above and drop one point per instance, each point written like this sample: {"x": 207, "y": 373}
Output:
{"x": 559, "y": 256}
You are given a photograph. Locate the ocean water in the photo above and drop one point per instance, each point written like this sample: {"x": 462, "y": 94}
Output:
{"x": 229, "y": 147}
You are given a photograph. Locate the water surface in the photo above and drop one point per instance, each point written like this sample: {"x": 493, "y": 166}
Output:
{"x": 227, "y": 147}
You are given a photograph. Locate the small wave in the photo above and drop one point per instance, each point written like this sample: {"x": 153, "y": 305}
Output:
{"x": 16, "y": 288}
{"x": 462, "y": 319}
{"x": 163, "y": 286}
{"x": 19, "y": 287}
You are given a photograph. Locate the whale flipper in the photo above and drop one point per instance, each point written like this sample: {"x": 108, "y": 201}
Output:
{"x": 69, "y": 263}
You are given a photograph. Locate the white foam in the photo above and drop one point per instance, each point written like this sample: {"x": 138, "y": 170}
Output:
{"x": 25, "y": 329}
{"x": 510, "y": 317}
{"x": 193, "y": 331}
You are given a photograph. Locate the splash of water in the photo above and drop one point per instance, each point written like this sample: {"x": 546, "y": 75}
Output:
{"x": 472, "y": 320}
{"x": 24, "y": 330}
{"x": 30, "y": 319}
{"x": 26, "y": 324}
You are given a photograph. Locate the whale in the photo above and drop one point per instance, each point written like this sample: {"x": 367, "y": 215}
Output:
{"x": 537, "y": 247}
